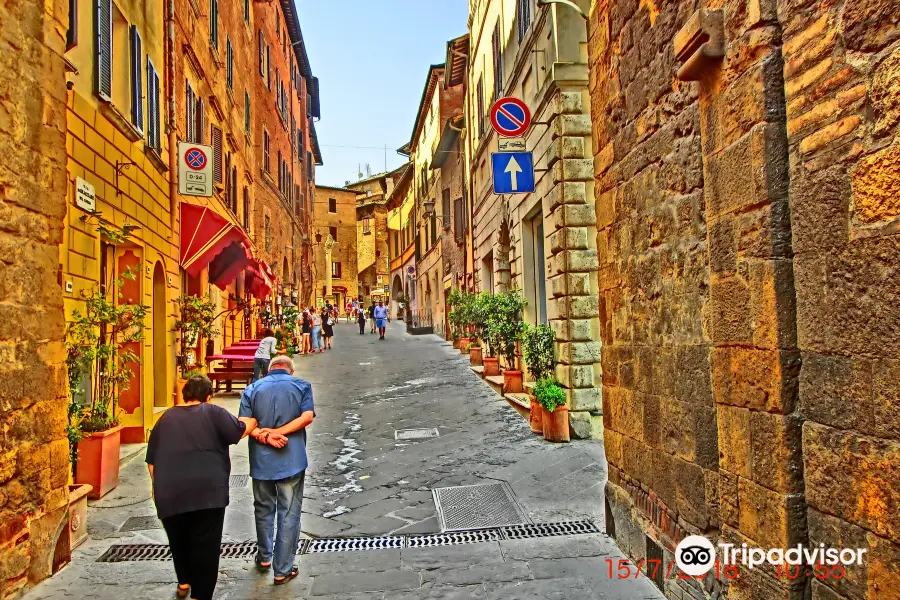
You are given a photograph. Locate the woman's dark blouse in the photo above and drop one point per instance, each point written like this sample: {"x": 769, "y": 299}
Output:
{"x": 188, "y": 449}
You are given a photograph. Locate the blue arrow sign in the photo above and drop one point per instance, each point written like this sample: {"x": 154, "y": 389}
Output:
{"x": 513, "y": 172}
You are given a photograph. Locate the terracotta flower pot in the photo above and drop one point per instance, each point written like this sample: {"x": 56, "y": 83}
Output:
{"x": 491, "y": 366}
{"x": 556, "y": 424}
{"x": 475, "y": 356}
{"x": 512, "y": 381}
{"x": 98, "y": 461}
{"x": 78, "y": 495}
{"x": 464, "y": 345}
{"x": 179, "y": 389}
{"x": 456, "y": 344}
{"x": 536, "y": 420}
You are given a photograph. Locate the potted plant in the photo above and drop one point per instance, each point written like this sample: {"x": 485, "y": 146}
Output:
{"x": 482, "y": 309}
{"x": 459, "y": 301}
{"x": 555, "y": 418}
{"x": 196, "y": 321}
{"x": 474, "y": 350}
{"x": 98, "y": 342}
{"x": 504, "y": 326}
{"x": 78, "y": 366}
{"x": 537, "y": 352}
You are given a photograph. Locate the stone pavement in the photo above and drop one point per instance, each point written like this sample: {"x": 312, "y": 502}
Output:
{"x": 362, "y": 482}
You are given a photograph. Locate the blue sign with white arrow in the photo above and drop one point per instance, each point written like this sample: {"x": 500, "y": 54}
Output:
{"x": 513, "y": 172}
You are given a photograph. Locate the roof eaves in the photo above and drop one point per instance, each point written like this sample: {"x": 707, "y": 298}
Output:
{"x": 429, "y": 87}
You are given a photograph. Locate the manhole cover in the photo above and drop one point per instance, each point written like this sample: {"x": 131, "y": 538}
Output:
{"x": 238, "y": 481}
{"x": 416, "y": 434}
{"x": 477, "y": 507}
{"x": 140, "y": 524}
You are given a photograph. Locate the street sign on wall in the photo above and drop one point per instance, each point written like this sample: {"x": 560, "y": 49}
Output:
{"x": 84, "y": 195}
{"x": 511, "y": 144}
{"x": 510, "y": 117}
{"x": 195, "y": 170}
{"x": 513, "y": 172}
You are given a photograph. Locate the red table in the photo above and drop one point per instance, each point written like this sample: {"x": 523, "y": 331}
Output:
{"x": 230, "y": 358}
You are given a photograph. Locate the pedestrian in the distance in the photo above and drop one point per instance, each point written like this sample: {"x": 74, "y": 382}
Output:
{"x": 283, "y": 406}
{"x": 327, "y": 328}
{"x": 381, "y": 313}
{"x": 349, "y": 308}
{"x": 306, "y": 330}
{"x": 264, "y": 353}
{"x": 187, "y": 456}
{"x": 316, "y": 333}
{"x": 361, "y": 319}
{"x": 371, "y": 315}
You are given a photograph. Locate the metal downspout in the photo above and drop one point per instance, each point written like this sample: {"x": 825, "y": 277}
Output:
{"x": 171, "y": 122}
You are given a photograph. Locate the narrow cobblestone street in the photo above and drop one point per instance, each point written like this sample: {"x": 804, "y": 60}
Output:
{"x": 362, "y": 482}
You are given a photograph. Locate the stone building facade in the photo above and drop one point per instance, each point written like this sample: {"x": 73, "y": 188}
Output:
{"x": 34, "y": 456}
{"x": 748, "y": 282}
{"x": 334, "y": 213}
{"x": 544, "y": 243}
{"x": 401, "y": 242}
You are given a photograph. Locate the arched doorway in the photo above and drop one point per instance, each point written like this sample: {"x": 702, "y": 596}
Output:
{"x": 160, "y": 333}
{"x": 396, "y": 293}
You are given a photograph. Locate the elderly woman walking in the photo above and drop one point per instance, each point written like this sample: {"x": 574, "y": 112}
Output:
{"x": 187, "y": 456}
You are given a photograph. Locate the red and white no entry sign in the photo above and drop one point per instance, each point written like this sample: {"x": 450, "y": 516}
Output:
{"x": 195, "y": 158}
{"x": 510, "y": 117}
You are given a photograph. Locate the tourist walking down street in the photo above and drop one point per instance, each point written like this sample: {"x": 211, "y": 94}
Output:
{"x": 316, "y": 334}
{"x": 189, "y": 464}
{"x": 371, "y": 315}
{"x": 306, "y": 329}
{"x": 381, "y": 313}
{"x": 264, "y": 353}
{"x": 283, "y": 406}
{"x": 327, "y": 328}
{"x": 361, "y": 319}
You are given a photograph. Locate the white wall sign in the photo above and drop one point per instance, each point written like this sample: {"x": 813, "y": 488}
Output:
{"x": 511, "y": 144}
{"x": 84, "y": 195}
{"x": 195, "y": 170}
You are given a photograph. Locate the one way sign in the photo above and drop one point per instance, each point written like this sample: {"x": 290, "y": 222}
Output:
{"x": 513, "y": 172}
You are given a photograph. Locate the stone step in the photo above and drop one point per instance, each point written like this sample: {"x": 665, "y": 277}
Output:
{"x": 478, "y": 370}
{"x": 521, "y": 402}
{"x": 496, "y": 382}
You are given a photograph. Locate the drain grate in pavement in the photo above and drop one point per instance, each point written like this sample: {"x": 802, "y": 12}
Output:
{"x": 238, "y": 481}
{"x": 141, "y": 524}
{"x": 454, "y": 538}
{"x": 416, "y": 434}
{"x": 151, "y": 552}
{"x": 354, "y": 544}
{"x": 477, "y": 507}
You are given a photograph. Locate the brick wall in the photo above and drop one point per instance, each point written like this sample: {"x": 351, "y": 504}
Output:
{"x": 742, "y": 401}
{"x": 842, "y": 83}
{"x": 33, "y": 448}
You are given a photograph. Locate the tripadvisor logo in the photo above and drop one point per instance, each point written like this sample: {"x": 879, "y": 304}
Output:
{"x": 695, "y": 556}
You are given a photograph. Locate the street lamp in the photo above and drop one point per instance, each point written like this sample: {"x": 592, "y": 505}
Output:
{"x": 429, "y": 212}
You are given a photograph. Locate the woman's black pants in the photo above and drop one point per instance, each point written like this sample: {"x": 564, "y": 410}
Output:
{"x": 362, "y": 327}
{"x": 195, "y": 539}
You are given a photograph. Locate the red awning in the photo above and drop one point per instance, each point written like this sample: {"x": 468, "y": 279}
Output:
{"x": 204, "y": 236}
{"x": 229, "y": 263}
{"x": 259, "y": 283}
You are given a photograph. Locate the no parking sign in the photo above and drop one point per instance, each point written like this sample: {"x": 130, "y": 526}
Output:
{"x": 195, "y": 170}
{"x": 510, "y": 117}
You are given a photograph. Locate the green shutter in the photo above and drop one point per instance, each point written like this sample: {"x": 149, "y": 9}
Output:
{"x": 104, "y": 48}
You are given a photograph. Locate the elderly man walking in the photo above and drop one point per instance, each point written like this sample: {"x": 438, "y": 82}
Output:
{"x": 283, "y": 407}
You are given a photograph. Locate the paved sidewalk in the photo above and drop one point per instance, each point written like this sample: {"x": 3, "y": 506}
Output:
{"x": 362, "y": 482}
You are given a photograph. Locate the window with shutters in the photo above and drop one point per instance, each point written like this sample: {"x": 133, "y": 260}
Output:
{"x": 104, "y": 49}
{"x": 246, "y": 112}
{"x": 215, "y": 139}
{"x": 268, "y": 233}
{"x": 445, "y": 206}
{"x": 190, "y": 107}
{"x": 247, "y": 12}
{"x": 214, "y": 23}
{"x": 228, "y": 180}
{"x": 367, "y": 225}
{"x": 229, "y": 64}
{"x": 523, "y": 17}
{"x": 280, "y": 173}
{"x": 121, "y": 95}
{"x": 153, "y": 113}
{"x": 459, "y": 219}
{"x": 233, "y": 188}
{"x": 332, "y": 205}
{"x": 298, "y": 201}
{"x": 497, "y": 53}
{"x": 72, "y": 32}
{"x": 137, "y": 80}
{"x": 266, "y": 165}
{"x": 278, "y": 88}
{"x": 268, "y": 68}
{"x": 336, "y": 270}
{"x": 309, "y": 165}
{"x": 262, "y": 54}
{"x": 246, "y": 209}
{"x": 333, "y": 232}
